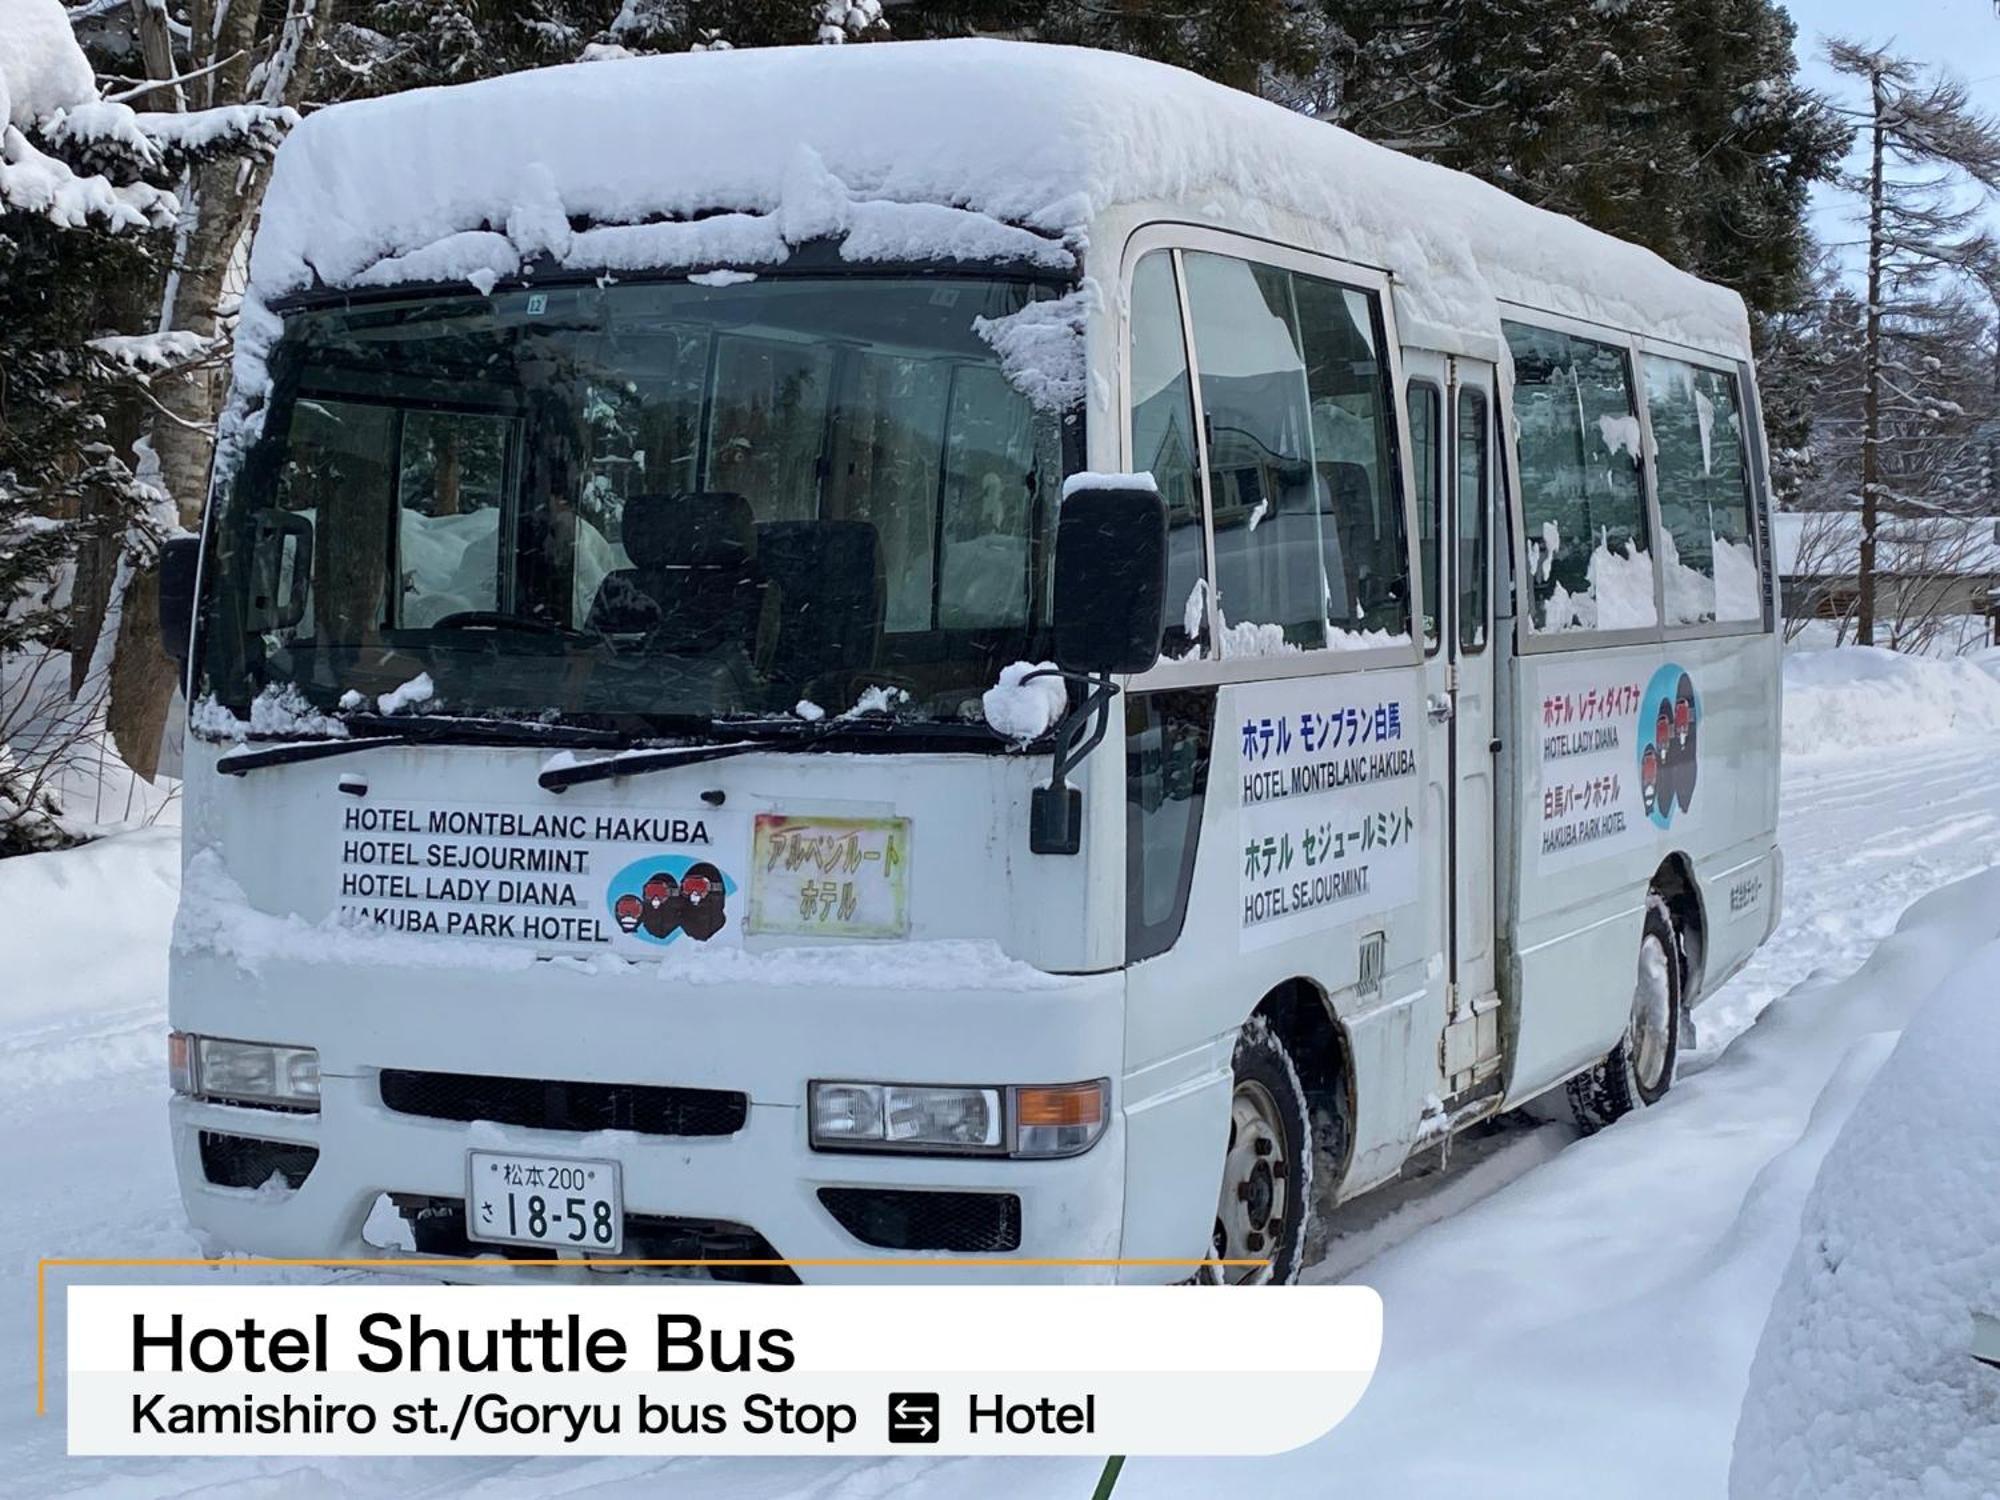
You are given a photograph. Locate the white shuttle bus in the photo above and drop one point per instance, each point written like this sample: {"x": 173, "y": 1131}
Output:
{"x": 963, "y": 651}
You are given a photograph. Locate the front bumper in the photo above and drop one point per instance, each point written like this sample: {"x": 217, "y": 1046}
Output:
{"x": 640, "y": 1029}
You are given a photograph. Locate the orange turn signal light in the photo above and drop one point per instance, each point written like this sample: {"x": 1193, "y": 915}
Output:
{"x": 1065, "y": 1104}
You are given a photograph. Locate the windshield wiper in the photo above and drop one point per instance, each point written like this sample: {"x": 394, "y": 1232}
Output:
{"x": 639, "y": 762}
{"x": 782, "y": 737}
{"x": 379, "y": 731}
{"x": 241, "y": 762}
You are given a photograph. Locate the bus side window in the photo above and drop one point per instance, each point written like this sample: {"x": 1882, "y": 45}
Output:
{"x": 1709, "y": 550}
{"x": 1475, "y": 503}
{"x": 1353, "y": 445}
{"x": 1262, "y": 488}
{"x": 1423, "y": 401}
{"x": 1163, "y": 442}
{"x": 1582, "y": 503}
{"x": 1169, "y": 739}
{"x": 1307, "y": 514}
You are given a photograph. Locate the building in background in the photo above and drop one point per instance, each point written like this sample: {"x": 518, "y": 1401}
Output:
{"x": 1937, "y": 578}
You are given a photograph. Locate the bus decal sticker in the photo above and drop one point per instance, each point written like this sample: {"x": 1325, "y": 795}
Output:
{"x": 1672, "y": 711}
{"x": 1327, "y": 784}
{"x": 666, "y": 896}
{"x": 833, "y": 877}
{"x": 577, "y": 881}
{"x": 1618, "y": 757}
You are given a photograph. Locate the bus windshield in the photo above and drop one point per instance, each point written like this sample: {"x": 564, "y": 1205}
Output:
{"x": 646, "y": 506}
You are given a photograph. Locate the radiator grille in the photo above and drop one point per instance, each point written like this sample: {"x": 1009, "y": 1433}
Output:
{"x": 552, "y": 1104}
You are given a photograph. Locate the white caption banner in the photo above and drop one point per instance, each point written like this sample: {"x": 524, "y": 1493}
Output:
{"x": 714, "y": 1370}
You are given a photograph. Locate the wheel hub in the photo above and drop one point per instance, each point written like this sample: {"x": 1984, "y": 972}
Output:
{"x": 1253, "y": 1209}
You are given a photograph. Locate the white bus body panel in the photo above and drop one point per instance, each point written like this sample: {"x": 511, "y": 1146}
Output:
{"x": 260, "y": 968}
{"x": 1580, "y": 917}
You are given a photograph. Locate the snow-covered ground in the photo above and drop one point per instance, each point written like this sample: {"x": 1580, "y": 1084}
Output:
{"x": 1564, "y": 1316}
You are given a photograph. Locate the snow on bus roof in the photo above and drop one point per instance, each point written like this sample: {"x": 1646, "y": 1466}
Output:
{"x": 956, "y": 150}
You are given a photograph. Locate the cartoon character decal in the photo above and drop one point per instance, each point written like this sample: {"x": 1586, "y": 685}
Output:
{"x": 1668, "y": 760}
{"x": 663, "y": 896}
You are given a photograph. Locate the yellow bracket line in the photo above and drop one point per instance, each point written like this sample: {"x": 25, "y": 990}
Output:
{"x": 407, "y": 1262}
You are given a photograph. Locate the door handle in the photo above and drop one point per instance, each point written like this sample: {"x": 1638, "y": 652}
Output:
{"x": 1438, "y": 706}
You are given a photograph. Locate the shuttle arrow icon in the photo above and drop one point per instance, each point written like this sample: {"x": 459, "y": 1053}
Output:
{"x": 913, "y": 1417}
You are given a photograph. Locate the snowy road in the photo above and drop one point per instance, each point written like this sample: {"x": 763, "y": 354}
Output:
{"x": 1564, "y": 1316}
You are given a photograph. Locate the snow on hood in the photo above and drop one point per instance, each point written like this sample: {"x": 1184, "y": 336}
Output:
{"x": 955, "y": 149}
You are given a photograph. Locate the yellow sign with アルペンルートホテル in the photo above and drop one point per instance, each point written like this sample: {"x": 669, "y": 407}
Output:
{"x": 830, "y": 877}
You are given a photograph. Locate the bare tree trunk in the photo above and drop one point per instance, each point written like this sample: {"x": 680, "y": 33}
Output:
{"x": 1871, "y": 413}
{"x": 219, "y": 200}
{"x": 156, "y": 45}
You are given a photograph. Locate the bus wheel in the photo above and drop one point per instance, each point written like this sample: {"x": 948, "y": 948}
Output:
{"x": 1266, "y": 1172}
{"x": 1640, "y": 1069}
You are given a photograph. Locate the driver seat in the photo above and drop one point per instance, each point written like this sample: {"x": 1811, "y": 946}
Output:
{"x": 695, "y": 587}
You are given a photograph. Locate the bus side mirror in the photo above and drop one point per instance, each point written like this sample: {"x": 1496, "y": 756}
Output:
{"x": 180, "y": 564}
{"x": 1110, "y": 591}
{"x": 1111, "y": 574}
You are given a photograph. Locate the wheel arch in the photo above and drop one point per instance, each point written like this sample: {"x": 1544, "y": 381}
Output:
{"x": 1675, "y": 884}
{"x": 1301, "y": 1015}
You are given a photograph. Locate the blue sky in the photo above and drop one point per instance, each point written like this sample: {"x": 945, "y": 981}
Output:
{"x": 1962, "y": 36}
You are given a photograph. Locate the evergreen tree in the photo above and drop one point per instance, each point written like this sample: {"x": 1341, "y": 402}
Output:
{"x": 382, "y": 46}
{"x": 82, "y": 212}
{"x": 1678, "y": 125}
{"x": 1276, "y": 48}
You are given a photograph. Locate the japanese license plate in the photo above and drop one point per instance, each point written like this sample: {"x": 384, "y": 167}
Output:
{"x": 555, "y": 1201}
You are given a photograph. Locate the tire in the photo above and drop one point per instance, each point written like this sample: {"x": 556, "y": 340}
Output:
{"x": 1640, "y": 1069}
{"x": 1267, "y": 1171}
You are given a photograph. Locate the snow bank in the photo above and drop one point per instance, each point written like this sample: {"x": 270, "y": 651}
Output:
{"x": 1858, "y": 697}
{"x": 1863, "y": 1385}
{"x": 111, "y": 903}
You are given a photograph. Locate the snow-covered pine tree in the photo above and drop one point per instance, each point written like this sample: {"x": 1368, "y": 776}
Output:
{"x": 1932, "y": 160}
{"x": 381, "y": 46}
{"x": 1277, "y": 48}
{"x": 223, "y": 81}
{"x": 82, "y": 209}
{"x": 87, "y": 212}
{"x": 1756, "y": 140}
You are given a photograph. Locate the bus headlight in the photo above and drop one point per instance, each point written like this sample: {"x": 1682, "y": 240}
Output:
{"x": 262, "y": 1074}
{"x": 944, "y": 1120}
{"x": 905, "y": 1117}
